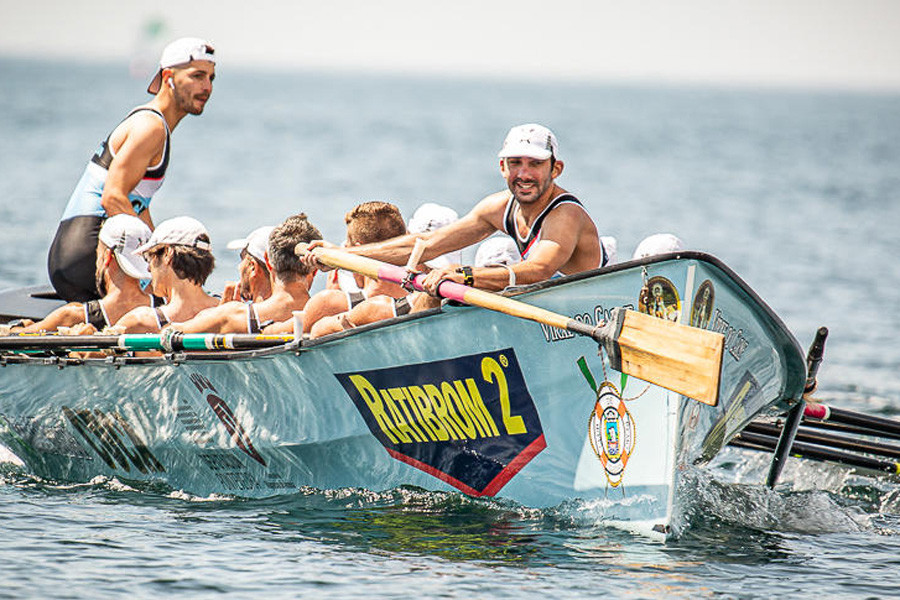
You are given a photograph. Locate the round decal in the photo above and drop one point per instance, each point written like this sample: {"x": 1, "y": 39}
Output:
{"x": 611, "y": 432}
{"x": 702, "y": 310}
{"x": 659, "y": 298}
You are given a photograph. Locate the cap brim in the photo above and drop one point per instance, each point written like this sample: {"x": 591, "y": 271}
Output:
{"x": 133, "y": 266}
{"x": 238, "y": 244}
{"x": 155, "y": 84}
{"x": 525, "y": 150}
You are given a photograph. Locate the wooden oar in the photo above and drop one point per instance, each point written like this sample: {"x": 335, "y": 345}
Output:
{"x": 683, "y": 359}
{"x": 169, "y": 343}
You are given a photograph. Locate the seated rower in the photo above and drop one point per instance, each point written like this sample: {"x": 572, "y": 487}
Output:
{"x": 179, "y": 256}
{"x": 552, "y": 229}
{"x": 290, "y": 282}
{"x": 255, "y": 282}
{"x": 118, "y": 274}
{"x": 367, "y": 223}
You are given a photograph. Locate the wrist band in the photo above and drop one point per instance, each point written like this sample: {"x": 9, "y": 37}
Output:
{"x": 512, "y": 274}
{"x": 468, "y": 277}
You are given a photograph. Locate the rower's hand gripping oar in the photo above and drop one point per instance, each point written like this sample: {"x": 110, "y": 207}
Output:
{"x": 683, "y": 359}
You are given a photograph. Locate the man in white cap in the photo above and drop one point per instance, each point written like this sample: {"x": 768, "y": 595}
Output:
{"x": 553, "y": 232}
{"x": 658, "y": 243}
{"x": 255, "y": 282}
{"x": 428, "y": 217}
{"x": 179, "y": 258}
{"x": 290, "y": 279}
{"x": 118, "y": 273}
{"x": 130, "y": 165}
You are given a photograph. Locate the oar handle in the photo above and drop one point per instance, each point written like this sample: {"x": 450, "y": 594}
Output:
{"x": 814, "y": 359}
{"x": 451, "y": 290}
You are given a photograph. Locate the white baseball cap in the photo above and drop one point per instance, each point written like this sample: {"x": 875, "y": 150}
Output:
{"x": 428, "y": 217}
{"x": 179, "y": 231}
{"x": 658, "y": 243}
{"x": 498, "y": 250}
{"x": 123, "y": 234}
{"x": 181, "y": 52}
{"x": 531, "y": 140}
{"x": 256, "y": 243}
{"x": 431, "y": 216}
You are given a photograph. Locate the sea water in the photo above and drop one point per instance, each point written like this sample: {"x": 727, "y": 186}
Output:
{"x": 798, "y": 191}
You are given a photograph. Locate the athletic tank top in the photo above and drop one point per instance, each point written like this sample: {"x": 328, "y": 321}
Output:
{"x": 354, "y": 298}
{"x": 252, "y": 319}
{"x": 161, "y": 319}
{"x": 534, "y": 232}
{"x": 85, "y": 200}
{"x": 401, "y": 306}
{"x": 95, "y": 314}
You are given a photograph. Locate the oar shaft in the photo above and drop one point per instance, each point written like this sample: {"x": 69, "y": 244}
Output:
{"x": 871, "y": 424}
{"x": 841, "y": 442}
{"x": 757, "y": 441}
{"x": 139, "y": 342}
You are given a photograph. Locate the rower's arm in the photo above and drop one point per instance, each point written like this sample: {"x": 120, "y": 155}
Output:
{"x": 64, "y": 316}
{"x": 230, "y": 317}
{"x": 143, "y": 140}
{"x": 478, "y": 224}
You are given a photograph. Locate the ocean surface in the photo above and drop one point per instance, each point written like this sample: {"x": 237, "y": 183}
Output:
{"x": 797, "y": 191}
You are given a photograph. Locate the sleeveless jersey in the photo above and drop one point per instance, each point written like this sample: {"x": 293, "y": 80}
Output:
{"x": 534, "y": 232}
{"x": 85, "y": 200}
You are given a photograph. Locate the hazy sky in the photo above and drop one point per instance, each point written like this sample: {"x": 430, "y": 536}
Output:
{"x": 842, "y": 43}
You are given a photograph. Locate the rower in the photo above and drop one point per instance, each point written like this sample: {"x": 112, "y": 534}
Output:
{"x": 254, "y": 282}
{"x": 552, "y": 229}
{"x": 290, "y": 280}
{"x": 367, "y": 223}
{"x": 118, "y": 273}
{"x": 179, "y": 257}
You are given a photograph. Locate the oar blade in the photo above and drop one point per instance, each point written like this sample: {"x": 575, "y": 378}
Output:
{"x": 683, "y": 359}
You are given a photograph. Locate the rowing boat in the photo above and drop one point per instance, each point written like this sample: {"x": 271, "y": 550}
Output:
{"x": 459, "y": 398}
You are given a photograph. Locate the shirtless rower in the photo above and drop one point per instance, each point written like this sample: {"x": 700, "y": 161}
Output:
{"x": 129, "y": 166}
{"x": 551, "y": 228}
{"x": 291, "y": 279}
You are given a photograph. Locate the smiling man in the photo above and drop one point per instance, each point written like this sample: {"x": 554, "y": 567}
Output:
{"x": 130, "y": 165}
{"x": 552, "y": 230}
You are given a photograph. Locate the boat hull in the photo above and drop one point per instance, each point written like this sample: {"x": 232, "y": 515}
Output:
{"x": 458, "y": 399}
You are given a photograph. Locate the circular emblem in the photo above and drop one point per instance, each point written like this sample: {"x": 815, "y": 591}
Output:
{"x": 701, "y": 311}
{"x": 659, "y": 298}
{"x": 611, "y": 431}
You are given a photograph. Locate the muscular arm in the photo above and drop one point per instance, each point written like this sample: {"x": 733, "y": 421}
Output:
{"x": 138, "y": 320}
{"x": 565, "y": 236}
{"x": 230, "y": 317}
{"x": 139, "y": 142}
{"x": 478, "y": 224}
{"x": 64, "y": 316}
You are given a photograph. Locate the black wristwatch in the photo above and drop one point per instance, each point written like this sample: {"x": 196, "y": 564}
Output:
{"x": 468, "y": 278}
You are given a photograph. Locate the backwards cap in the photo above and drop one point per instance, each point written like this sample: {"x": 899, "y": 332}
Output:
{"x": 256, "y": 243}
{"x": 123, "y": 234}
{"x": 530, "y": 140}
{"x": 179, "y": 231}
{"x": 181, "y": 52}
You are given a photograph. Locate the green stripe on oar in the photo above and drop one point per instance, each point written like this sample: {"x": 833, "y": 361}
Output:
{"x": 683, "y": 359}
{"x": 169, "y": 342}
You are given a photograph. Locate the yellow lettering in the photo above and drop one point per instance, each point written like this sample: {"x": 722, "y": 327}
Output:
{"x": 468, "y": 427}
{"x": 471, "y": 399}
{"x": 400, "y": 427}
{"x": 423, "y": 411}
{"x": 440, "y": 409}
{"x": 491, "y": 370}
{"x": 370, "y": 395}
{"x": 397, "y": 395}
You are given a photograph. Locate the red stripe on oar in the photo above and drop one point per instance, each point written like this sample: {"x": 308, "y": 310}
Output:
{"x": 817, "y": 411}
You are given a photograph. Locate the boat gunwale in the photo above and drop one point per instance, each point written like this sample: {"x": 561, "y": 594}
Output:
{"x": 117, "y": 361}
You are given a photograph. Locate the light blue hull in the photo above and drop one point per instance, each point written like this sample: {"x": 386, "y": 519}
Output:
{"x": 462, "y": 399}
